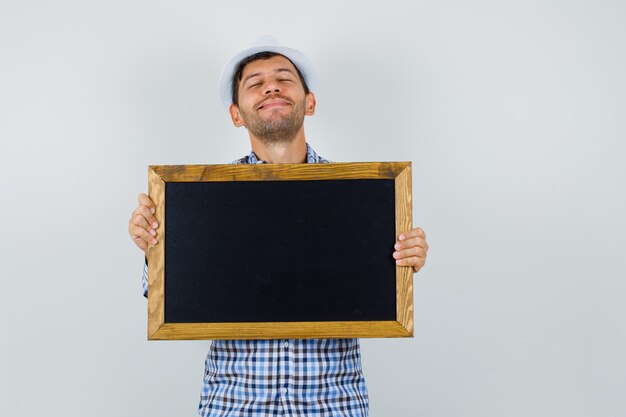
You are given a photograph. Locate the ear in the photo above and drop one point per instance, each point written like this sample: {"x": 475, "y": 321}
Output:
{"x": 236, "y": 115}
{"x": 310, "y": 104}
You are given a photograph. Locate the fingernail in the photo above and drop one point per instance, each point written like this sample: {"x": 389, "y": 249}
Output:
{"x": 398, "y": 262}
{"x": 152, "y": 210}
{"x": 396, "y": 246}
{"x": 155, "y": 225}
{"x": 152, "y": 232}
{"x": 401, "y": 237}
{"x": 396, "y": 254}
{"x": 154, "y": 241}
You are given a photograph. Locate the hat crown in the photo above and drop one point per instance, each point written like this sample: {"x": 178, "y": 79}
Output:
{"x": 266, "y": 40}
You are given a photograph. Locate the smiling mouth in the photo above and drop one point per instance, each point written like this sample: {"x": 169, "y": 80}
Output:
{"x": 273, "y": 103}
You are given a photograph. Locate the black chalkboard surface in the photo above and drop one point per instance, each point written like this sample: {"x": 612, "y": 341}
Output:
{"x": 277, "y": 251}
{"x": 280, "y": 251}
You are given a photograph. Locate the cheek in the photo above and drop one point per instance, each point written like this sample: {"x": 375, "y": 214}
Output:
{"x": 249, "y": 100}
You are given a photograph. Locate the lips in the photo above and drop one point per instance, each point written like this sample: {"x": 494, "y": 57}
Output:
{"x": 273, "y": 102}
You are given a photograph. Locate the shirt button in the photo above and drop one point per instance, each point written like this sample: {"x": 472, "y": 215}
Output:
{"x": 286, "y": 345}
{"x": 283, "y": 390}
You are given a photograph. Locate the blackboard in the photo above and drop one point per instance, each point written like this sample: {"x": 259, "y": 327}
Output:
{"x": 303, "y": 250}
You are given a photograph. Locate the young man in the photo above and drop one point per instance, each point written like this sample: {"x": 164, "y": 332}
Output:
{"x": 268, "y": 89}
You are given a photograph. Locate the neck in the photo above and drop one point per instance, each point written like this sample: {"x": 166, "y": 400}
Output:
{"x": 293, "y": 152}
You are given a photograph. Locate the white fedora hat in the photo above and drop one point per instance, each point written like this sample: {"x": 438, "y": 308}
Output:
{"x": 270, "y": 44}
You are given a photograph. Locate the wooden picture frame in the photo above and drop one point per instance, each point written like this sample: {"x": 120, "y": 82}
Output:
{"x": 160, "y": 176}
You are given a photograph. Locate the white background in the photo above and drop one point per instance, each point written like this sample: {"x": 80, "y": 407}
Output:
{"x": 513, "y": 113}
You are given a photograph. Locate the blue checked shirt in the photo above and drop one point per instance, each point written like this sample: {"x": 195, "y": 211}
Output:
{"x": 288, "y": 377}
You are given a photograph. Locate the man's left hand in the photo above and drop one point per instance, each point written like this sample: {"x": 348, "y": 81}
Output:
{"x": 411, "y": 248}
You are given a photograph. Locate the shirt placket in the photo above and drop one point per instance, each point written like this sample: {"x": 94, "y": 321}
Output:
{"x": 286, "y": 385}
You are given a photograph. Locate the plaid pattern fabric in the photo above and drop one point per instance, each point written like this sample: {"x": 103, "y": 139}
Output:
{"x": 295, "y": 378}
{"x": 288, "y": 377}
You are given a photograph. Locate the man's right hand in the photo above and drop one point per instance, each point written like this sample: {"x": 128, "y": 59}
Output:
{"x": 142, "y": 224}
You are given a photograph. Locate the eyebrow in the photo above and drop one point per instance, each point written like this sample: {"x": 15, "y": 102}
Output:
{"x": 256, "y": 74}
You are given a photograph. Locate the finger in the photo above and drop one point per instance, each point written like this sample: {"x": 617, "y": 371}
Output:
{"x": 416, "y": 232}
{"x": 140, "y": 234}
{"x": 411, "y": 242}
{"x": 410, "y": 252}
{"x": 145, "y": 212}
{"x": 140, "y": 221}
{"x": 415, "y": 262}
{"x": 419, "y": 265}
{"x": 144, "y": 200}
{"x": 141, "y": 244}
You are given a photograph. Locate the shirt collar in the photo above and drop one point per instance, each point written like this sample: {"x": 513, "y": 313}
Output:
{"x": 311, "y": 157}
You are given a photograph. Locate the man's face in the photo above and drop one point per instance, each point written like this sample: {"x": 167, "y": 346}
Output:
{"x": 272, "y": 102}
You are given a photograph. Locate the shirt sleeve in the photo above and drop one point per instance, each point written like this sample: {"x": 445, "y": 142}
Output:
{"x": 144, "y": 278}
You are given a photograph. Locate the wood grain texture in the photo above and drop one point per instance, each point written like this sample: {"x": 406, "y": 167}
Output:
{"x": 156, "y": 257}
{"x": 280, "y": 172}
{"x": 287, "y": 330}
{"x": 404, "y": 275}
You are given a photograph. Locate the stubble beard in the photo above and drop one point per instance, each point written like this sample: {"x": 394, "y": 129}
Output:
{"x": 275, "y": 129}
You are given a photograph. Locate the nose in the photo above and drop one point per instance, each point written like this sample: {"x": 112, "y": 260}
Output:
{"x": 272, "y": 87}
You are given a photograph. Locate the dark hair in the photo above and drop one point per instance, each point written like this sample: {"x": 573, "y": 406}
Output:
{"x": 259, "y": 55}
